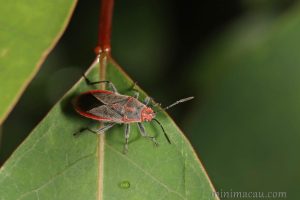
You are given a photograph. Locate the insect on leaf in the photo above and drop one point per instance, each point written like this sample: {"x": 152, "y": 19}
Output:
{"x": 53, "y": 164}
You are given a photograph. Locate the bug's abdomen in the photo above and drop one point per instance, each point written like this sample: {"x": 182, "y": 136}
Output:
{"x": 86, "y": 102}
{"x": 89, "y": 106}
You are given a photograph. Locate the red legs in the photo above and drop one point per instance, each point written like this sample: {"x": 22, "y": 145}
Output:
{"x": 98, "y": 131}
{"x": 144, "y": 134}
{"x": 110, "y": 84}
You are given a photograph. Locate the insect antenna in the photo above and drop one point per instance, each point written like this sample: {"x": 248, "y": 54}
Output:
{"x": 175, "y": 103}
{"x": 167, "y": 137}
{"x": 166, "y": 108}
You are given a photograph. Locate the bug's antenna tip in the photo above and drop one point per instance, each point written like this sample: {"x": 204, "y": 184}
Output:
{"x": 178, "y": 102}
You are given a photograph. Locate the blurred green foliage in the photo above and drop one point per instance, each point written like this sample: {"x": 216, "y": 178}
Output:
{"x": 18, "y": 34}
{"x": 246, "y": 126}
{"x": 239, "y": 58}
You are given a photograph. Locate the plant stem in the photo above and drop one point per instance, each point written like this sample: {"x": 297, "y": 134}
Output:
{"x": 105, "y": 21}
{"x": 103, "y": 51}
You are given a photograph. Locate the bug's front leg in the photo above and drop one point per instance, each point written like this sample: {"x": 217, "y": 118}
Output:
{"x": 147, "y": 100}
{"x": 136, "y": 95}
{"x": 144, "y": 134}
{"x": 127, "y": 132}
{"x": 111, "y": 85}
{"x": 98, "y": 131}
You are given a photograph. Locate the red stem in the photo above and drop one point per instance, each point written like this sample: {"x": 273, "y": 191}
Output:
{"x": 105, "y": 21}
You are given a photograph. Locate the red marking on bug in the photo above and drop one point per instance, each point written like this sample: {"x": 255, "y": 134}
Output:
{"x": 98, "y": 91}
{"x": 129, "y": 109}
{"x": 91, "y": 116}
{"x": 147, "y": 114}
{"x": 127, "y": 120}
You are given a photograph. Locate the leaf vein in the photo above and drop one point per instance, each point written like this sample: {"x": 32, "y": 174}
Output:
{"x": 145, "y": 172}
{"x": 36, "y": 190}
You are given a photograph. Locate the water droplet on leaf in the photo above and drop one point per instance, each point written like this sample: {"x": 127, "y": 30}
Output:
{"x": 124, "y": 184}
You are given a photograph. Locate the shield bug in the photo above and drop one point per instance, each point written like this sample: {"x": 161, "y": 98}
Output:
{"x": 112, "y": 108}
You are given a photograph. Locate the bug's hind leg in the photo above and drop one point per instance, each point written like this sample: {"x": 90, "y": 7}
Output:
{"x": 111, "y": 85}
{"x": 144, "y": 134}
{"x": 98, "y": 131}
{"x": 127, "y": 132}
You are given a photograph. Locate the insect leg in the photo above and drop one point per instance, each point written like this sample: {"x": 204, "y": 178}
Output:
{"x": 144, "y": 134}
{"x": 105, "y": 128}
{"x": 98, "y": 131}
{"x": 165, "y": 133}
{"x": 135, "y": 91}
{"x": 127, "y": 131}
{"x": 136, "y": 95}
{"x": 133, "y": 87}
{"x": 111, "y": 85}
{"x": 147, "y": 100}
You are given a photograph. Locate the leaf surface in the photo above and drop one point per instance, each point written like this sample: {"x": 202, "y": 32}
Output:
{"x": 53, "y": 164}
{"x": 28, "y": 31}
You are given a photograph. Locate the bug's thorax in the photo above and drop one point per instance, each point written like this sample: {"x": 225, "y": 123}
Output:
{"x": 147, "y": 114}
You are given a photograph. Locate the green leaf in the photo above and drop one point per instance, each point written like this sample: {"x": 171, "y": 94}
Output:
{"x": 250, "y": 85}
{"x": 28, "y": 31}
{"x": 53, "y": 164}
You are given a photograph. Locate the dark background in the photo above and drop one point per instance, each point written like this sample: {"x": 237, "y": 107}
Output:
{"x": 221, "y": 52}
